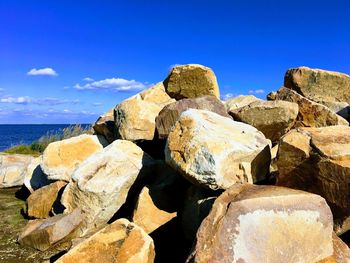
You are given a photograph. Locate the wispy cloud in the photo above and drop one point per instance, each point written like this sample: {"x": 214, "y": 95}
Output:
{"x": 113, "y": 84}
{"x": 42, "y": 72}
{"x": 88, "y": 79}
{"x": 96, "y": 104}
{"x": 38, "y": 101}
{"x": 257, "y": 91}
{"x": 228, "y": 96}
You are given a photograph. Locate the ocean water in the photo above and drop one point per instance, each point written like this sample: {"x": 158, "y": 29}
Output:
{"x": 14, "y": 134}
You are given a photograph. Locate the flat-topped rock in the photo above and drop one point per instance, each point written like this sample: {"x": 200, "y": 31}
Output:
{"x": 239, "y": 102}
{"x": 13, "y": 168}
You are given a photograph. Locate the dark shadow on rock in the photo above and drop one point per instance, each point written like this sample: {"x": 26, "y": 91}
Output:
{"x": 57, "y": 256}
{"x": 57, "y": 207}
{"x": 23, "y": 193}
{"x": 39, "y": 179}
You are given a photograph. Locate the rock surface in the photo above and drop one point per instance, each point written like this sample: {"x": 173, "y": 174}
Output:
{"x": 191, "y": 81}
{"x": 250, "y": 223}
{"x": 34, "y": 177}
{"x": 272, "y": 118}
{"x": 217, "y": 152}
{"x": 13, "y": 169}
{"x": 317, "y": 160}
{"x": 43, "y": 233}
{"x": 61, "y": 158}
{"x": 120, "y": 241}
{"x": 100, "y": 185}
{"x": 135, "y": 117}
{"x": 319, "y": 85}
{"x": 169, "y": 115}
{"x": 311, "y": 114}
{"x": 105, "y": 126}
{"x": 40, "y": 202}
{"x": 239, "y": 102}
{"x": 341, "y": 252}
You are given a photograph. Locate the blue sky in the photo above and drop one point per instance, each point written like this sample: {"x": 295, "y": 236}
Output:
{"x": 48, "y": 48}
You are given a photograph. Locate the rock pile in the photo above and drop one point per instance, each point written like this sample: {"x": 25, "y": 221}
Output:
{"x": 173, "y": 174}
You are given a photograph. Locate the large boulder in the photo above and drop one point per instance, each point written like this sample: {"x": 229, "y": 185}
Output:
{"x": 317, "y": 160}
{"x": 311, "y": 114}
{"x": 319, "y": 85}
{"x": 61, "y": 158}
{"x": 100, "y": 185}
{"x": 191, "y": 81}
{"x": 250, "y": 223}
{"x": 34, "y": 177}
{"x": 120, "y": 241}
{"x": 341, "y": 252}
{"x": 272, "y": 118}
{"x": 40, "y": 202}
{"x": 171, "y": 113}
{"x": 135, "y": 117}
{"x": 105, "y": 126}
{"x": 13, "y": 169}
{"x": 239, "y": 102}
{"x": 217, "y": 152}
{"x": 43, "y": 233}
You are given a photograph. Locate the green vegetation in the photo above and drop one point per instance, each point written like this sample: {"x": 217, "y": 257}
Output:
{"x": 38, "y": 147}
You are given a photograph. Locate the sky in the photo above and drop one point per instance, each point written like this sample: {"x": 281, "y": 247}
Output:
{"x": 70, "y": 61}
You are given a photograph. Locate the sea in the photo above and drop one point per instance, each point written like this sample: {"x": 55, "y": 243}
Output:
{"x": 14, "y": 134}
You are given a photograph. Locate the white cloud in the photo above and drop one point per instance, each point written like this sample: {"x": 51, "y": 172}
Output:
{"x": 257, "y": 91}
{"x": 42, "y": 72}
{"x": 228, "y": 96}
{"x": 38, "y": 101}
{"x": 88, "y": 79}
{"x": 96, "y": 104}
{"x": 114, "y": 84}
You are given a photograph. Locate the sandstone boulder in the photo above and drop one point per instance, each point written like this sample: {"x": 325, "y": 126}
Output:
{"x": 13, "y": 169}
{"x": 40, "y": 202}
{"x": 272, "y": 118}
{"x": 217, "y": 152}
{"x": 311, "y": 114}
{"x": 191, "y": 81}
{"x": 171, "y": 113}
{"x": 105, "y": 126}
{"x": 250, "y": 223}
{"x": 61, "y": 158}
{"x": 317, "y": 160}
{"x": 34, "y": 177}
{"x": 43, "y": 233}
{"x": 120, "y": 241}
{"x": 100, "y": 185}
{"x": 135, "y": 117}
{"x": 239, "y": 102}
{"x": 319, "y": 85}
{"x": 341, "y": 252}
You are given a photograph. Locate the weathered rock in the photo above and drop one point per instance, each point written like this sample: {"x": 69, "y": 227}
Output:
{"x": 100, "y": 185}
{"x": 171, "y": 113}
{"x": 217, "y": 152}
{"x": 135, "y": 117}
{"x": 43, "y": 233}
{"x": 317, "y": 160}
{"x": 61, "y": 158}
{"x": 311, "y": 114}
{"x": 250, "y": 223}
{"x": 13, "y": 169}
{"x": 34, "y": 177}
{"x": 272, "y": 118}
{"x": 120, "y": 241}
{"x": 341, "y": 252}
{"x": 105, "y": 126}
{"x": 40, "y": 202}
{"x": 191, "y": 81}
{"x": 319, "y": 85}
{"x": 239, "y": 102}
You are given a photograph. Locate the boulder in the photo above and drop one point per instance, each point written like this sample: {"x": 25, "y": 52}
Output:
{"x": 216, "y": 152}
{"x": 43, "y": 233}
{"x": 171, "y": 113}
{"x": 61, "y": 158}
{"x": 341, "y": 252}
{"x": 251, "y": 223}
{"x": 239, "y": 102}
{"x": 13, "y": 169}
{"x": 272, "y": 118}
{"x": 100, "y": 185}
{"x": 311, "y": 114}
{"x": 135, "y": 117}
{"x": 120, "y": 241}
{"x": 40, "y": 202}
{"x": 319, "y": 85}
{"x": 317, "y": 160}
{"x": 191, "y": 81}
{"x": 34, "y": 177}
{"x": 105, "y": 126}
